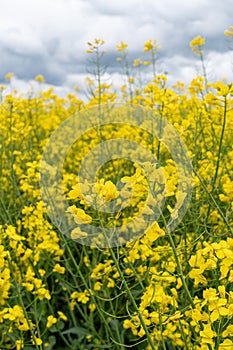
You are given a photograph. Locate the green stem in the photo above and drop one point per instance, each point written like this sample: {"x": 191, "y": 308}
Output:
{"x": 131, "y": 297}
{"x": 220, "y": 143}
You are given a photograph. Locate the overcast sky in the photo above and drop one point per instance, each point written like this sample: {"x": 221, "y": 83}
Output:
{"x": 49, "y": 37}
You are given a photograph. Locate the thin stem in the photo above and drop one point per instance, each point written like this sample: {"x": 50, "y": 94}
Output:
{"x": 132, "y": 299}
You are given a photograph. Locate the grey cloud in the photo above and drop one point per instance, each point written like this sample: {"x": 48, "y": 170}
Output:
{"x": 50, "y": 38}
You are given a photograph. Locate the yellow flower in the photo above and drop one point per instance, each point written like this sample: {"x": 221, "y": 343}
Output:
{"x": 228, "y": 331}
{"x": 80, "y": 217}
{"x": 93, "y": 46}
{"x": 151, "y": 45}
{"x": 51, "y": 320}
{"x": 121, "y": 47}
{"x": 89, "y": 337}
{"x": 78, "y": 233}
{"x": 92, "y": 307}
{"x": 62, "y": 316}
{"x": 207, "y": 334}
{"x": 42, "y": 293}
{"x": 127, "y": 324}
{"x": 23, "y": 326}
{"x": 148, "y": 46}
{"x": 196, "y": 274}
{"x": 40, "y": 79}
{"x": 15, "y": 313}
{"x": 9, "y": 76}
{"x": 19, "y": 344}
{"x": 97, "y": 286}
{"x": 227, "y": 344}
{"x": 42, "y": 272}
{"x": 38, "y": 341}
{"x": 137, "y": 62}
{"x": 59, "y": 269}
{"x": 222, "y": 291}
{"x": 83, "y": 297}
{"x": 111, "y": 283}
{"x": 229, "y": 33}
{"x": 99, "y": 41}
{"x": 142, "y": 332}
{"x": 154, "y": 232}
{"x": 107, "y": 190}
{"x": 197, "y": 43}
{"x": 131, "y": 80}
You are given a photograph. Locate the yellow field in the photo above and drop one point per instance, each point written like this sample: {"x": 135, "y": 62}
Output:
{"x": 151, "y": 286}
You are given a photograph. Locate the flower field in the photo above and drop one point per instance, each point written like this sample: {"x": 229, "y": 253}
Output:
{"x": 161, "y": 289}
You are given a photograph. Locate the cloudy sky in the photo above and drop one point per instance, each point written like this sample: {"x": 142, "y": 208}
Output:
{"x": 49, "y": 37}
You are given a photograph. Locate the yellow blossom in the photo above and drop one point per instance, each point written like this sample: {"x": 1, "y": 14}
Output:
{"x": 40, "y": 79}
{"x": 197, "y": 43}
{"x": 92, "y": 307}
{"x": 121, "y": 47}
{"x": 207, "y": 334}
{"x": 229, "y": 33}
{"x": 62, "y": 316}
{"x": 51, "y": 320}
{"x": 59, "y": 269}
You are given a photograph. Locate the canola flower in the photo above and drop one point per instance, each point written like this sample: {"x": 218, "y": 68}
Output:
{"x": 158, "y": 291}
{"x": 197, "y": 43}
{"x": 228, "y": 32}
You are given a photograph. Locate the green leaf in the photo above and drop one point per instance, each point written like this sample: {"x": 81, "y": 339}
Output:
{"x": 77, "y": 330}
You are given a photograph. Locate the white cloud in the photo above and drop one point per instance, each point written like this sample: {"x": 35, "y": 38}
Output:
{"x": 21, "y": 41}
{"x": 221, "y": 65}
{"x": 49, "y": 36}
